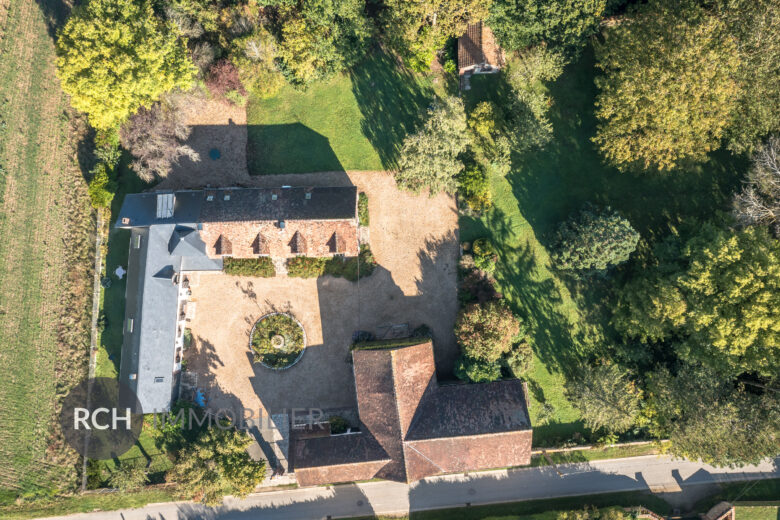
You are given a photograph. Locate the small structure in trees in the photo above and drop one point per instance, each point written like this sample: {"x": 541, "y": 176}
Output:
{"x": 478, "y": 53}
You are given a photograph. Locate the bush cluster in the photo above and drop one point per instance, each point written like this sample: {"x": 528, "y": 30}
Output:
{"x": 262, "y": 267}
{"x": 363, "y": 217}
{"x": 474, "y": 189}
{"x": 351, "y": 268}
{"x": 485, "y": 255}
{"x": 262, "y": 341}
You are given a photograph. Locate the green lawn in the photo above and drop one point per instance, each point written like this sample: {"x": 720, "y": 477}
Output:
{"x": 45, "y": 255}
{"x": 540, "y": 509}
{"x": 758, "y": 512}
{"x": 567, "y": 317}
{"x": 112, "y": 299}
{"x": 614, "y": 452}
{"x": 86, "y": 504}
{"x": 354, "y": 121}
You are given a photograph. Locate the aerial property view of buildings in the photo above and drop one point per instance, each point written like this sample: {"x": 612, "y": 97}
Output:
{"x": 442, "y": 254}
{"x": 408, "y": 425}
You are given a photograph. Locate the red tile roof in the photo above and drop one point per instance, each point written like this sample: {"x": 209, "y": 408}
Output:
{"x": 419, "y": 427}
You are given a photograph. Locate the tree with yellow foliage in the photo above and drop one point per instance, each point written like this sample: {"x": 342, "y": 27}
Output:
{"x": 719, "y": 302}
{"x": 667, "y": 93}
{"x": 115, "y": 56}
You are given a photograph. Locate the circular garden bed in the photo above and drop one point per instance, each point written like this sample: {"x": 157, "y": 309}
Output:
{"x": 277, "y": 340}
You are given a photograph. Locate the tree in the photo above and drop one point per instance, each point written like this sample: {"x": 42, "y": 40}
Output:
{"x": 217, "y": 464}
{"x": 155, "y": 137}
{"x": 759, "y": 201}
{"x": 485, "y": 332}
{"x": 254, "y": 55}
{"x": 129, "y": 477}
{"x": 321, "y": 37}
{"x": 416, "y": 30}
{"x": 527, "y": 75}
{"x": 595, "y": 239}
{"x": 667, "y": 91}
{"x": 708, "y": 417}
{"x": 755, "y": 24}
{"x": 117, "y": 56}
{"x": 721, "y": 299}
{"x": 606, "y": 397}
{"x": 101, "y": 188}
{"x": 477, "y": 370}
{"x": 563, "y": 24}
{"x": 429, "y": 158}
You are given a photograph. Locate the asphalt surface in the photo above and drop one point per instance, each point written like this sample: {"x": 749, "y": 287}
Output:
{"x": 659, "y": 474}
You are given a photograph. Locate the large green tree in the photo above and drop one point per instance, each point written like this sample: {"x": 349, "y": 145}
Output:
{"x": 416, "y": 30}
{"x": 708, "y": 417}
{"x": 563, "y": 24}
{"x": 756, "y": 26}
{"x": 668, "y": 89}
{"x": 606, "y": 396}
{"x": 594, "y": 239}
{"x": 429, "y": 158}
{"x": 115, "y": 56}
{"x": 719, "y": 301}
{"x": 321, "y": 37}
{"x": 217, "y": 464}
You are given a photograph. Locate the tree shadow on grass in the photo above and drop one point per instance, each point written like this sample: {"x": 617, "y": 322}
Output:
{"x": 552, "y": 183}
{"x": 294, "y": 145}
{"x": 393, "y": 103}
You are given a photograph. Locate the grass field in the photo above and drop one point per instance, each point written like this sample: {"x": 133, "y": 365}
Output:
{"x": 613, "y": 452}
{"x": 758, "y": 512}
{"x": 45, "y": 267}
{"x": 538, "y": 509}
{"x": 86, "y": 504}
{"x": 566, "y": 317}
{"x": 354, "y": 121}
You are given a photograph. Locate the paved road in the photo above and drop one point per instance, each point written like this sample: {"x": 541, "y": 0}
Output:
{"x": 658, "y": 474}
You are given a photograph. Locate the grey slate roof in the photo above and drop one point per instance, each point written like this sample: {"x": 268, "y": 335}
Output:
{"x": 151, "y": 301}
{"x": 242, "y": 204}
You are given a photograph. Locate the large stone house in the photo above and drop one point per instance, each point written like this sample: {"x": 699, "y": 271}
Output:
{"x": 412, "y": 427}
{"x": 177, "y": 233}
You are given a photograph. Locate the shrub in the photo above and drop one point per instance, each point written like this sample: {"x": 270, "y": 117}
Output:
{"x": 476, "y": 371}
{"x": 477, "y": 286}
{"x": 351, "y": 268}
{"x": 363, "y": 217}
{"x": 486, "y": 331}
{"x": 519, "y": 360}
{"x": 262, "y": 267}
{"x": 485, "y": 256}
{"x": 154, "y": 138}
{"x": 306, "y": 267}
{"x": 284, "y": 329}
{"x": 236, "y": 97}
{"x": 474, "y": 188}
{"x": 101, "y": 188}
{"x": 187, "y": 338}
{"x": 223, "y": 78}
{"x": 338, "y": 425}
{"x": 595, "y": 239}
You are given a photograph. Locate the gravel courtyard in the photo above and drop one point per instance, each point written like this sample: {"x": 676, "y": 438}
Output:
{"x": 415, "y": 243}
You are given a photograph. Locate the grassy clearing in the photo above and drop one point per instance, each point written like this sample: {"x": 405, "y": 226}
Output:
{"x": 539, "y": 509}
{"x": 87, "y": 503}
{"x": 758, "y": 512}
{"x": 112, "y": 299}
{"x": 613, "y": 452}
{"x": 355, "y": 121}
{"x": 44, "y": 258}
{"x": 567, "y": 316}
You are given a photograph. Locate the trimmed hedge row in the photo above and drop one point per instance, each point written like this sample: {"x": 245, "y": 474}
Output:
{"x": 263, "y": 267}
{"x": 309, "y": 267}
